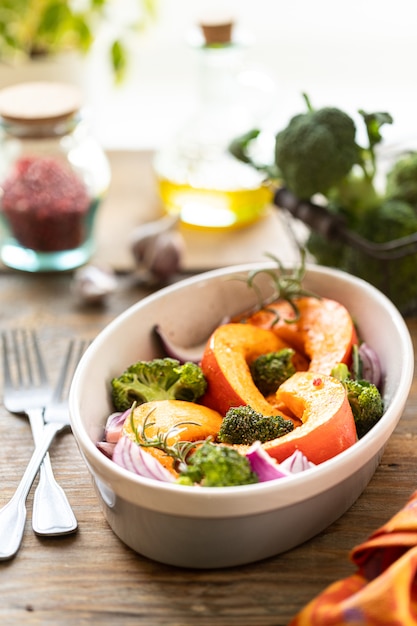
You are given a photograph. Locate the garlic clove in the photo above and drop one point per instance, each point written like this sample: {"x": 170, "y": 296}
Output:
{"x": 158, "y": 248}
{"x": 92, "y": 284}
{"x": 163, "y": 258}
{"x": 144, "y": 234}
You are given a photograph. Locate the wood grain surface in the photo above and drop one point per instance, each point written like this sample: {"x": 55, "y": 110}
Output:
{"x": 91, "y": 577}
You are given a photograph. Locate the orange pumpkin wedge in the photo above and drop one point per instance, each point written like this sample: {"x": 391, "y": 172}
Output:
{"x": 325, "y": 331}
{"x": 194, "y": 421}
{"x": 328, "y": 426}
{"x": 164, "y": 415}
{"x": 225, "y": 364}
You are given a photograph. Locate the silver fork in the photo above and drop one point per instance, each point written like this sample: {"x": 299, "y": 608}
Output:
{"x": 29, "y": 394}
{"x": 56, "y": 418}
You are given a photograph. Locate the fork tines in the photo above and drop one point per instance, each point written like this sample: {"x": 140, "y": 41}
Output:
{"x": 22, "y": 359}
{"x": 74, "y": 353}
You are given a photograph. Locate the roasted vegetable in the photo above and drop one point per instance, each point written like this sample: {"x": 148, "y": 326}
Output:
{"x": 319, "y": 328}
{"x": 364, "y": 398}
{"x": 271, "y": 369}
{"x": 244, "y": 425}
{"x": 225, "y": 366}
{"x": 214, "y": 465}
{"x": 159, "y": 379}
{"x": 320, "y": 404}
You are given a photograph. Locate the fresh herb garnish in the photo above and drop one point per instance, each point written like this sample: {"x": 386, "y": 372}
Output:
{"x": 287, "y": 285}
{"x": 178, "y": 450}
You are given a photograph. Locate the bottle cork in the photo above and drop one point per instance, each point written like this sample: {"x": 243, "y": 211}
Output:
{"x": 217, "y": 32}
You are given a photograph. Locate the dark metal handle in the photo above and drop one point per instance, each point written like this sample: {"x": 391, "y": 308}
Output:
{"x": 331, "y": 226}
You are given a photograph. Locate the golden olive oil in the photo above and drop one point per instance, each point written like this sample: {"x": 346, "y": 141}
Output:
{"x": 214, "y": 208}
{"x": 224, "y": 194}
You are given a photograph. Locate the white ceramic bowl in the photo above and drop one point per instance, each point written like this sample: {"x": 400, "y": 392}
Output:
{"x": 221, "y": 527}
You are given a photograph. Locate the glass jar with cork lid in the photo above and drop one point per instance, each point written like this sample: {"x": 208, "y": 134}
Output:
{"x": 198, "y": 178}
{"x": 53, "y": 176}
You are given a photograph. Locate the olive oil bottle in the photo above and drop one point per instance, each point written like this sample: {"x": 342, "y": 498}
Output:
{"x": 197, "y": 176}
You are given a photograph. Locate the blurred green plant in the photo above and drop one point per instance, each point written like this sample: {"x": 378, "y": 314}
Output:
{"x": 31, "y": 29}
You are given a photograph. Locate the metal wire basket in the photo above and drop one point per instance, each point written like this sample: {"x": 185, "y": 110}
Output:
{"x": 390, "y": 266}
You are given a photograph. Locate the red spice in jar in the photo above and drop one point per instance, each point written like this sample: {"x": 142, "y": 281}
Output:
{"x": 45, "y": 204}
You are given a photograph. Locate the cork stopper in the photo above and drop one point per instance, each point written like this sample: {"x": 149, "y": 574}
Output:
{"x": 39, "y": 102}
{"x": 217, "y": 32}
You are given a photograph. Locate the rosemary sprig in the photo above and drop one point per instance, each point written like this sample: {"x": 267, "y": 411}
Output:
{"x": 178, "y": 450}
{"x": 287, "y": 285}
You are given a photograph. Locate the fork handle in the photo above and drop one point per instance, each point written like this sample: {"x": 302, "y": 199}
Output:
{"x": 13, "y": 514}
{"x": 52, "y": 513}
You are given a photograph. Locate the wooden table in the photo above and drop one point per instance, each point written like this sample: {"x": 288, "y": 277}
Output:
{"x": 91, "y": 577}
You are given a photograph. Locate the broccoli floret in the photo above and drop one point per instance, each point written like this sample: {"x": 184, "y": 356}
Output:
{"x": 364, "y": 398}
{"x": 244, "y": 425}
{"x": 159, "y": 379}
{"x": 366, "y": 403}
{"x": 214, "y": 465}
{"x": 382, "y": 222}
{"x": 392, "y": 219}
{"x": 354, "y": 195}
{"x": 401, "y": 182}
{"x": 270, "y": 370}
{"x": 316, "y": 150}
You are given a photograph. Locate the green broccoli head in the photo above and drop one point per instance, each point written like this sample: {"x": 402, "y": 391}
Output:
{"x": 401, "y": 181}
{"x": 364, "y": 398}
{"x": 159, "y": 379}
{"x": 366, "y": 403}
{"x": 316, "y": 150}
{"x": 244, "y": 425}
{"x": 214, "y": 465}
{"x": 270, "y": 370}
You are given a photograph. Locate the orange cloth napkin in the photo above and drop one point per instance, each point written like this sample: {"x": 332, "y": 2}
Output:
{"x": 383, "y": 591}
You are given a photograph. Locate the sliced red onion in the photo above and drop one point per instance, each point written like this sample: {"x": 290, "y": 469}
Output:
{"x": 192, "y": 354}
{"x": 295, "y": 463}
{"x": 106, "y": 448}
{"x": 371, "y": 366}
{"x": 183, "y": 354}
{"x": 114, "y": 426}
{"x": 263, "y": 464}
{"x": 268, "y": 468}
{"x": 132, "y": 457}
